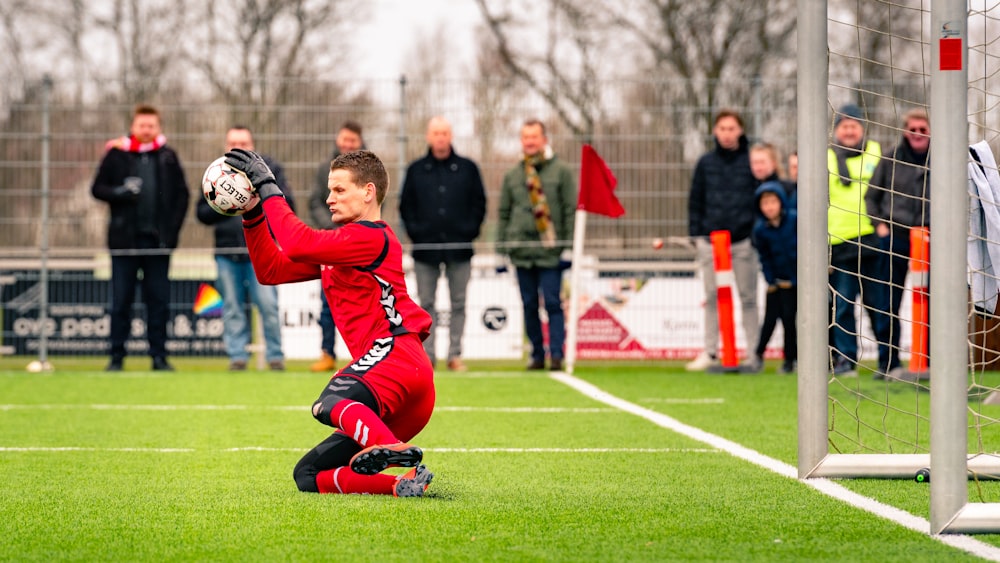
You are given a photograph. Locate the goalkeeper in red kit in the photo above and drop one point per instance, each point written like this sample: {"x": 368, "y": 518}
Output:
{"x": 384, "y": 396}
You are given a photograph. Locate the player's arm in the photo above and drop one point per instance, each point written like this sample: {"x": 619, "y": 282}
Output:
{"x": 270, "y": 264}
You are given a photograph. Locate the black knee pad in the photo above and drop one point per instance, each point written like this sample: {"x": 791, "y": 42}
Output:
{"x": 337, "y": 390}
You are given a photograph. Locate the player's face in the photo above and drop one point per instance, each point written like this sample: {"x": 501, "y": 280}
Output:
{"x": 348, "y": 141}
{"x": 145, "y": 127}
{"x": 849, "y": 132}
{"x": 762, "y": 165}
{"x": 918, "y": 134}
{"x": 728, "y": 132}
{"x": 532, "y": 139}
{"x": 348, "y": 201}
{"x": 239, "y": 139}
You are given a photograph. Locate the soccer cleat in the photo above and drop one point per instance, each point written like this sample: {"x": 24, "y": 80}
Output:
{"x": 413, "y": 483}
{"x": 376, "y": 459}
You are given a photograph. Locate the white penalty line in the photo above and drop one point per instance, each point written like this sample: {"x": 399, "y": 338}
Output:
{"x": 825, "y": 486}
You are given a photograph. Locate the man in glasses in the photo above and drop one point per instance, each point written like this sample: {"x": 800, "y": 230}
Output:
{"x": 898, "y": 198}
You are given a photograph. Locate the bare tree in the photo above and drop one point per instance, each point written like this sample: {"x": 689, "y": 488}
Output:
{"x": 246, "y": 46}
{"x": 566, "y": 67}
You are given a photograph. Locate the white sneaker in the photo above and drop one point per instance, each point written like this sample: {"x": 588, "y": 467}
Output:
{"x": 701, "y": 363}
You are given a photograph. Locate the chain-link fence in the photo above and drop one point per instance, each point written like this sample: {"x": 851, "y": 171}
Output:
{"x": 648, "y": 140}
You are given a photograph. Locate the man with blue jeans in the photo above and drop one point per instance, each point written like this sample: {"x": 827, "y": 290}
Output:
{"x": 536, "y": 211}
{"x": 237, "y": 282}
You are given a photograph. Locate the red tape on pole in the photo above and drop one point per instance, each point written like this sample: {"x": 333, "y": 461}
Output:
{"x": 723, "y": 259}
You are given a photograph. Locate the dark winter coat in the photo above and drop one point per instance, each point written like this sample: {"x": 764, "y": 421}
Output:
{"x": 777, "y": 246}
{"x": 722, "y": 193}
{"x": 229, "y": 230}
{"x": 899, "y": 190}
{"x": 172, "y": 197}
{"x": 790, "y": 187}
{"x": 442, "y": 202}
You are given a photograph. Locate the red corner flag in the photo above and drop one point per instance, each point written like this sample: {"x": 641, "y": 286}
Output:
{"x": 597, "y": 186}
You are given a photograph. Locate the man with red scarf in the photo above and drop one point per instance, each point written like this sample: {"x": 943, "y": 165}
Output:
{"x": 142, "y": 181}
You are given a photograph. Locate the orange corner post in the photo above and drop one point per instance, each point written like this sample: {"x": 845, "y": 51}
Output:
{"x": 920, "y": 253}
{"x": 724, "y": 279}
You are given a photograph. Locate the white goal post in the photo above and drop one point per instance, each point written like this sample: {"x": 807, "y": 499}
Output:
{"x": 949, "y": 459}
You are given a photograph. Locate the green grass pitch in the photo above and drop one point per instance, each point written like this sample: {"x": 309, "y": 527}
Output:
{"x": 196, "y": 466}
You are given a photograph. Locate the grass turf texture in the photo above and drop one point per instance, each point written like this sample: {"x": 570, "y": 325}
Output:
{"x": 166, "y": 472}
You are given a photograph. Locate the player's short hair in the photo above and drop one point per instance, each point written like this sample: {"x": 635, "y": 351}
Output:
{"x": 532, "y": 121}
{"x": 352, "y": 126}
{"x": 239, "y": 127}
{"x": 364, "y": 167}
{"x": 724, "y": 113}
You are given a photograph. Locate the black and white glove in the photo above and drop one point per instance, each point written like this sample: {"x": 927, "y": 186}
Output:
{"x": 129, "y": 190}
{"x": 257, "y": 171}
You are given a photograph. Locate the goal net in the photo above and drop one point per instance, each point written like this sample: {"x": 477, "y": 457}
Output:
{"x": 910, "y": 299}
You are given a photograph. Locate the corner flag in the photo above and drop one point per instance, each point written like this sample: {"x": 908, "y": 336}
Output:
{"x": 597, "y": 186}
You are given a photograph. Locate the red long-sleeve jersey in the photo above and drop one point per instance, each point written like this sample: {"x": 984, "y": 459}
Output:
{"x": 360, "y": 266}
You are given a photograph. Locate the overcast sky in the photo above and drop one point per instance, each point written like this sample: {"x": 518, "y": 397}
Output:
{"x": 397, "y": 24}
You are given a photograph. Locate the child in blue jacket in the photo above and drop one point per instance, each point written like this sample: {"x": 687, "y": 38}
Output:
{"x": 776, "y": 241}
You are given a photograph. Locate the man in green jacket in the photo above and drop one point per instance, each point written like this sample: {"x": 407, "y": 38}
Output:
{"x": 537, "y": 206}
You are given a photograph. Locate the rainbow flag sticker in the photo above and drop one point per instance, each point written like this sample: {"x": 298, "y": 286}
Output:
{"x": 208, "y": 302}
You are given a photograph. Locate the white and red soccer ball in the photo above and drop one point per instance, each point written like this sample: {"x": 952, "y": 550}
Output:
{"x": 226, "y": 190}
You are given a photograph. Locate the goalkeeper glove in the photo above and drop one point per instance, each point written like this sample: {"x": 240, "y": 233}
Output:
{"x": 257, "y": 171}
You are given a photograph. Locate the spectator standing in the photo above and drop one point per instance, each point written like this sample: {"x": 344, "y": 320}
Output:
{"x": 141, "y": 180}
{"x": 722, "y": 199}
{"x": 348, "y": 139}
{"x": 855, "y": 263}
{"x": 766, "y": 167}
{"x": 898, "y": 198}
{"x": 442, "y": 206}
{"x": 793, "y": 166}
{"x": 775, "y": 237}
{"x": 537, "y": 206}
{"x": 237, "y": 282}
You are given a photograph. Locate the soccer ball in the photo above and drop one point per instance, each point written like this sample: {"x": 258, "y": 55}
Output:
{"x": 226, "y": 190}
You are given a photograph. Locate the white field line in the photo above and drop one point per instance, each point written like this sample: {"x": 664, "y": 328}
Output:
{"x": 303, "y": 408}
{"x": 825, "y": 486}
{"x": 57, "y": 449}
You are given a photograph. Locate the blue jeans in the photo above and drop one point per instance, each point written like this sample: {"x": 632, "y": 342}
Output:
{"x": 547, "y": 282}
{"x": 238, "y": 286}
{"x": 329, "y": 330}
{"x": 861, "y": 272}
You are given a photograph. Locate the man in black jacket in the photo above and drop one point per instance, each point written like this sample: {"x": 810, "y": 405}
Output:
{"x": 143, "y": 183}
{"x": 722, "y": 199}
{"x": 442, "y": 205}
{"x": 237, "y": 282}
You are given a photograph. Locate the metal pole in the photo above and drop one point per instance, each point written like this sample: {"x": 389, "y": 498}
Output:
{"x": 402, "y": 132}
{"x": 949, "y": 299}
{"x": 811, "y": 320}
{"x": 43, "y": 281}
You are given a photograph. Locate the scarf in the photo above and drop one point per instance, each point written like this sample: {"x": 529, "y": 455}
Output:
{"x": 131, "y": 144}
{"x": 539, "y": 205}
